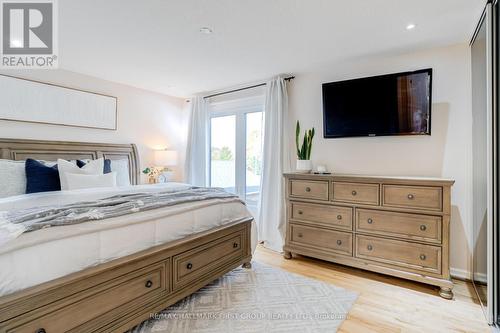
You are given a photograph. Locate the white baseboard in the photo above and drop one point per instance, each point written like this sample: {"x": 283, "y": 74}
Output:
{"x": 462, "y": 274}
{"x": 481, "y": 277}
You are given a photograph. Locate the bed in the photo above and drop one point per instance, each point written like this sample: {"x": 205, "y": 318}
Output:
{"x": 109, "y": 275}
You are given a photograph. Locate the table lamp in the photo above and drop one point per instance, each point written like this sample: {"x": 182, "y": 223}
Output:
{"x": 165, "y": 159}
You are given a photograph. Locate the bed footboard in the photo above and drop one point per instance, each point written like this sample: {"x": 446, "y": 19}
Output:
{"x": 115, "y": 296}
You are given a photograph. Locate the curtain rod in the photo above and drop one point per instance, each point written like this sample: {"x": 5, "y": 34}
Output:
{"x": 245, "y": 88}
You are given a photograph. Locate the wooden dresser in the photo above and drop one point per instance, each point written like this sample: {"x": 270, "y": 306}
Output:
{"x": 392, "y": 225}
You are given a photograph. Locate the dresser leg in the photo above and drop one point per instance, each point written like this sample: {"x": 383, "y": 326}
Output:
{"x": 446, "y": 293}
{"x": 247, "y": 265}
{"x": 287, "y": 255}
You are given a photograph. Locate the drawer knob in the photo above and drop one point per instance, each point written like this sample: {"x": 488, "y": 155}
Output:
{"x": 308, "y": 189}
{"x": 235, "y": 245}
{"x": 422, "y": 257}
{"x": 300, "y": 212}
{"x": 300, "y": 235}
{"x": 339, "y": 217}
{"x": 41, "y": 330}
{"x": 354, "y": 192}
{"x": 339, "y": 242}
{"x": 370, "y": 221}
{"x": 369, "y": 247}
{"x": 149, "y": 284}
{"x": 189, "y": 265}
{"x": 411, "y": 196}
{"x": 423, "y": 227}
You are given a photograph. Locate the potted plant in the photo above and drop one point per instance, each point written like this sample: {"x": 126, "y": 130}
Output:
{"x": 304, "y": 151}
{"x": 152, "y": 174}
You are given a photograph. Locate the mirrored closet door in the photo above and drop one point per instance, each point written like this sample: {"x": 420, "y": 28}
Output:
{"x": 484, "y": 157}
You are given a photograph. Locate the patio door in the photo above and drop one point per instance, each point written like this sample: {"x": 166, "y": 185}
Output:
{"x": 236, "y": 140}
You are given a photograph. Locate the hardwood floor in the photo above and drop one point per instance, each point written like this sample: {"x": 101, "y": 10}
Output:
{"x": 387, "y": 304}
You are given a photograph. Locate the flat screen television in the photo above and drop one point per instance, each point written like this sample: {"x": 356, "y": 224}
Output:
{"x": 393, "y": 104}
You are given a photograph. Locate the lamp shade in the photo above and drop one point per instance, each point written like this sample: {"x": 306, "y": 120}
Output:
{"x": 165, "y": 157}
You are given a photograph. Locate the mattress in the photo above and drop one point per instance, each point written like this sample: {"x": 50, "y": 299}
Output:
{"x": 46, "y": 254}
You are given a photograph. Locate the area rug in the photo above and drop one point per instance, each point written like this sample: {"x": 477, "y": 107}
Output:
{"x": 260, "y": 299}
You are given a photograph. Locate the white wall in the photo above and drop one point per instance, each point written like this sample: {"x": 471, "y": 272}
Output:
{"x": 148, "y": 119}
{"x": 446, "y": 153}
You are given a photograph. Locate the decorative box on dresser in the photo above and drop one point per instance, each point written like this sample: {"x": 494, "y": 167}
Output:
{"x": 398, "y": 226}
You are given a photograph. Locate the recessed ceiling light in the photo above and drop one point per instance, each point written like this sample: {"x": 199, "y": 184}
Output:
{"x": 411, "y": 26}
{"x": 206, "y": 30}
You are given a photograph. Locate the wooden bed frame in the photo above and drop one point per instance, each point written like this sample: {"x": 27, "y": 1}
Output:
{"x": 117, "y": 295}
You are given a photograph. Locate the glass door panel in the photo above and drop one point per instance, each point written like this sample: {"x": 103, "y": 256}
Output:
{"x": 254, "y": 142}
{"x": 222, "y": 153}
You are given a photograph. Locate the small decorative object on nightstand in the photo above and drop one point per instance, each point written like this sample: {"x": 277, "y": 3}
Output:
{"x": 304, "y": 164}
{"x": 165, "y": 159}
{"x": 152, "y": 174}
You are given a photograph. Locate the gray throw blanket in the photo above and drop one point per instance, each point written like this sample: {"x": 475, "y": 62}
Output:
{"x": 13, "y": 223}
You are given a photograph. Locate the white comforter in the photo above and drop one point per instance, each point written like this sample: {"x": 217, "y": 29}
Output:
{"x": 43, "y": 255}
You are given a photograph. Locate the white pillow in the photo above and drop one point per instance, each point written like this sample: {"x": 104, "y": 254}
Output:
{"x": 122, "y": 174}
{"x": 95, "y": 167}
{"x": 78, "y": 181}
{"x": 121, "y": 169}
{"x": 12, "y": 178}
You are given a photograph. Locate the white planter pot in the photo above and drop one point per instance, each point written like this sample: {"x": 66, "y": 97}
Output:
{"x": 304, "y": 166}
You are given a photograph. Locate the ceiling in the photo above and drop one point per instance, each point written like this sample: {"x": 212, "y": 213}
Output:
{"x": 157, "y": 44}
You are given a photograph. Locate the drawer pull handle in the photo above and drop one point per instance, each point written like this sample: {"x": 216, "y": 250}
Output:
{"x": 423, "y": 227}
{"x": 369, "y": 247}
{"x": 339, "y": 242}
{"x": 149, "y": 284}
{"x": 354, "y": 192}
{"x": 300, "y": 235}
{"x": 41, "y": 330}
{"x": 308, "y": 189}
{"x": 339, "y": 217}
{"x": 189, "y": 265}
{"x": 235, "y": 245}
{"x": 300, "y": 212}
{"x": 411, "y": 196}
{"x": 422, "y": 257}
{"x": 370, "y": 221}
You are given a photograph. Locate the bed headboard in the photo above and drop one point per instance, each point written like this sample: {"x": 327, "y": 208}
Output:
{"x": 17, "y": 149}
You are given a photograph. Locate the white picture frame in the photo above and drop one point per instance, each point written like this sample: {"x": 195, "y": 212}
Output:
{"x": 38, "y": 102}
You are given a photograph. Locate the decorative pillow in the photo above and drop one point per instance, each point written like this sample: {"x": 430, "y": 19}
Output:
{"x": 40, "y": 177}
{"x": 12, "y": 178}
{"x": 107, "y": 165}
{"x": 122, "y": 174}
{"x": 80, "y": 181}
{"x": 118, "y": 166}
{"x": 95, "y": 167}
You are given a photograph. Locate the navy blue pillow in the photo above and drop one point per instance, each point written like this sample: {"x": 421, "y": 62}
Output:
{"x": 107, "y": 165}
{"x": 41, "y": 178}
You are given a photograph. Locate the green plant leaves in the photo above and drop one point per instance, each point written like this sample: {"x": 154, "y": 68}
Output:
{"x": 304, "y": 151}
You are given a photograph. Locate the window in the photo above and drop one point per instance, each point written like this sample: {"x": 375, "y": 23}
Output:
{"x": 236, "y": 140}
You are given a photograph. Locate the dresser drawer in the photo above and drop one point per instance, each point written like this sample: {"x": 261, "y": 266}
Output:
{"x": 404, "y": 254}
{"x": 419, "y": 197}
{"x": 101, "y": 299}
{"x": 322, "y": 239}
{"x": 403, "y": 225}
{"x": 196, "y": 263}
{"x": 339, "y": 217}
{"x": 356, "y": 193}
{"x": 309, "y": 189}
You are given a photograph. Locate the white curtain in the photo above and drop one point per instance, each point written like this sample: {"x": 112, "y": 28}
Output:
{"x": 276, "y": 160}
{"x": 196, "y": 153}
